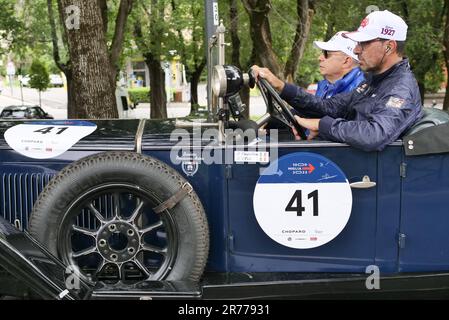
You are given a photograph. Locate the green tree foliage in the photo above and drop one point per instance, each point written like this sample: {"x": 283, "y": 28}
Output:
{"x": 39, "y": 77}
{"x": 188, "y": 20}
{"x": 35, "y": 39}
{"x": 151, "y": 34}
{"x": 11, "y": 27}
{"x": 424, "y": 39}
{"x": 180, "y": 26}
{"x": 424, "y": 42}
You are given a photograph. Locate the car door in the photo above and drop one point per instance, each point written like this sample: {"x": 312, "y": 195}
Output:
{"x": 358, "y": 245}
{"x": 424, "y": 215}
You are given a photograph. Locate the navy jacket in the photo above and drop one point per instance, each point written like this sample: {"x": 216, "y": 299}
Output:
{"x": 349, "y": 82}
{"x": 370, "y": 117}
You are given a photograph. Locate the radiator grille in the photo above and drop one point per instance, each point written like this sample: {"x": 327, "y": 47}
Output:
{"x": 19, "y": 193}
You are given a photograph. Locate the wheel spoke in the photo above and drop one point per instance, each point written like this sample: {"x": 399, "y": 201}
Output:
{"x": 147, "y": 247}
{"x": 85, "y": 231}
{"x": 116, "y": 197}
{"x": 152, "y": 252}
{"x": 151, "y": 228}
{"x": 136, "y": 212}
{"x": 96, "y": 213}
{"x": 141, "y": 267}
{"x": 100, "y": 266}
{"x": 84, "y": 252}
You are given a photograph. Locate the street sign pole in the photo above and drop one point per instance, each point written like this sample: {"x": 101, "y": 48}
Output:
{"x": 212, "y": 18}
{"x": 11, "y": 79}
{"x": 11, "y": 71}
{"x": 212, "y": 21}
{"x": 21, "y": 91}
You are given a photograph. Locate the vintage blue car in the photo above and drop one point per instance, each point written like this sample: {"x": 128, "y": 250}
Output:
{"x": 187, "y": 209}
{"x": 179, "y": 208}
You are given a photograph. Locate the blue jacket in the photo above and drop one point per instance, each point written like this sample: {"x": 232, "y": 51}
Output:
{"x": 349, "y": 82}
{"x": 370, "y": 117}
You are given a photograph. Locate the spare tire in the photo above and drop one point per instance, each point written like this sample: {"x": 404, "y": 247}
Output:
{"x": 98, "y": 215}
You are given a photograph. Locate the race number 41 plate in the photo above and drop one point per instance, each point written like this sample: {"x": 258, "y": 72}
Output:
{"x": 47, "y": 139}
{"x": 306, "y": 204}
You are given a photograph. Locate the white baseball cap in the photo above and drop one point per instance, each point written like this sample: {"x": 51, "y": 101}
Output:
{"x": 338, "y": 43}
{"x": 380, "y": 24}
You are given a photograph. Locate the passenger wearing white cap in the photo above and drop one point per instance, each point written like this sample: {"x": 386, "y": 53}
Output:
{"x": 384, "y": 106}
{"x": 338, "y": 65}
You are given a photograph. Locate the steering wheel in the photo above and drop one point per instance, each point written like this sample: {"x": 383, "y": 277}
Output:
{"x": 277, "y": 108}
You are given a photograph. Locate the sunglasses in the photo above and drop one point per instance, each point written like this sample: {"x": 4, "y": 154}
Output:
{"x": 364, "y": 44}
{"x": 327, "y": 54}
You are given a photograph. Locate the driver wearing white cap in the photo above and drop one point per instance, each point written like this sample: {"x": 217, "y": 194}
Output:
{"x": 381, "y": 108}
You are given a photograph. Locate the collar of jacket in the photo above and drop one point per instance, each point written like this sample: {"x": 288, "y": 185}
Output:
{"x": 377, "y": 78}
{"x": 343, "y": 82}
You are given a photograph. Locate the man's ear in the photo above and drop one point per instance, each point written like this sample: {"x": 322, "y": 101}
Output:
{"x": 390, "y": 46}
{"x": 348, "y": 61}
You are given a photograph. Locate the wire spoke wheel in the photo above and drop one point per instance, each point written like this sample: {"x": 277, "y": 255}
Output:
{"x": 97, "y": 215}
{"x": 121, "y": 238}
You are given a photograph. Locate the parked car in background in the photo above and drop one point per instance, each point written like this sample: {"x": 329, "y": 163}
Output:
{"x": 24, "y": 112}
{"x": 56, "y": 80}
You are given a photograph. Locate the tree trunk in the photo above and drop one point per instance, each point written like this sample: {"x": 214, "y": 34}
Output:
{"x": 261, "y": 35}
{"x": 194, "y": 105}
{"x": 446, "y": 53}
{"x": 90, "y": 62}
{"x": 103, "y": 4}
{"x": 65, "y": 68}
{"x": 233, "y": 30}
{"x": 329, "y": 31}
{"x": 71, "y": 97}
{"x": 305, "y": 15}
{"x": 158, "y": 97}
{"x": 116, "y": 48}
{"x": 235, "y": 55}
{"x": 195, "y": 80}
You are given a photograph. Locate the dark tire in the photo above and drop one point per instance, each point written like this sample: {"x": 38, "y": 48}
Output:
{"x": 90, "y": 212}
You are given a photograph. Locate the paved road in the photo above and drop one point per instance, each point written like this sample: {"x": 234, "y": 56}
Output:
{"x": 54, "y": 101}
{"x": 55, "y": 98}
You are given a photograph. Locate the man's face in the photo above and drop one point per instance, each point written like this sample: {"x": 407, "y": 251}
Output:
{"x": 370, "y": 54}
{"x": 331, "y": 63}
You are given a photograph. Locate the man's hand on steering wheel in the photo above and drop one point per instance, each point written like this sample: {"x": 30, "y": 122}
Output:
{"x": 266, "y": 74}
{"x": 270, "y": 86}
{"x": 311, "y": 124}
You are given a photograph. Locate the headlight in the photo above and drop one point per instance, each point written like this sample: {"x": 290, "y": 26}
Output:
{"x": 219, "y": 81}
{"x": 227, "y": 80}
